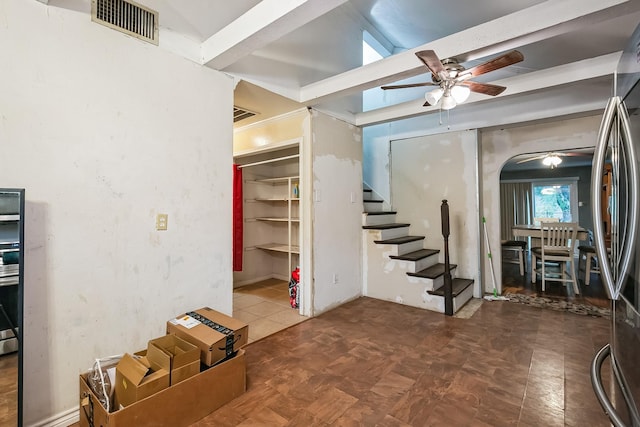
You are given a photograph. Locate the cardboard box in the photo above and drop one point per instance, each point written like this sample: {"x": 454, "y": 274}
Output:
{"x": 177, "y": 406}
{"x": 216, "y": 334}
{"x": 137, "y": 378}
{"x": 180, "y": 357}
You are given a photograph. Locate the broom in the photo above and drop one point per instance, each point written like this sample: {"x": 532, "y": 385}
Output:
{"x": 495, "y": 296}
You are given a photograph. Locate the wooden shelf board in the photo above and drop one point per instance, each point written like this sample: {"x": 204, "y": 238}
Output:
{"x": 277, "y": 179}
{"x": 273, "y": 199}
{"x": 278, "y": 247}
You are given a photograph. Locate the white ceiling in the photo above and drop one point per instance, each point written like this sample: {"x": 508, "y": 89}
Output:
{"x": 309, "y": 52}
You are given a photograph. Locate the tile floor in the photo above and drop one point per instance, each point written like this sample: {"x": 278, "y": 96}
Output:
{"x": 265, "y": 307}
{"x": 377, "y": 363}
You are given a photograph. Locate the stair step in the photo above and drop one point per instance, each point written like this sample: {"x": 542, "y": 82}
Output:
{"x": 367, "y": 190}
{"x": 381, "y": 212}
{"x": 458, "y": 286}
{"x": 416, "y": 255}
{"x": 432, "y": 272}
{"x": 384, "y": 226}
{"x": 399, "y": 240}
{"x": 373, "y": 201}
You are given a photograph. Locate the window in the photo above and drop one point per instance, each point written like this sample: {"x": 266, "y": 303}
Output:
{"x": 557, "y": 199}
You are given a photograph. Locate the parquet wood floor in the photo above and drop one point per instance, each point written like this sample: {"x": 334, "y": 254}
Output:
{"x": 377, "y": 363}
{"x": 8, "y": 389}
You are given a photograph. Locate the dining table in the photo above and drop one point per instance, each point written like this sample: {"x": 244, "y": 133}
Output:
{"x": 535, "y": 232}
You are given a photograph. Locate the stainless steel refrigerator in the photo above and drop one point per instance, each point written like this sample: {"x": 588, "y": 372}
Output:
{"x": 614, "y": 196}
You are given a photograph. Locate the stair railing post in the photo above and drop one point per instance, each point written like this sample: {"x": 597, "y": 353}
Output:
{"x": 448, "y": 287}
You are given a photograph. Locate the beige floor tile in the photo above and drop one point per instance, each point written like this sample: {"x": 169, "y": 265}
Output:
{"x": 245, "y": 316}
{"x": 286, "y": 317}
{"x": 263, "y": 308}
{"x": 242, "y": 301}
{"x": 262, "y": 328}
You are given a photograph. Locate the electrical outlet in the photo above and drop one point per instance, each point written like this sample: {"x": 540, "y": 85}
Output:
{"x": 161, "y": 222}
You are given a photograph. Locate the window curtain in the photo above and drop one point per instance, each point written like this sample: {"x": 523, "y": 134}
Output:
{"x": 237, "y": 219}
{"x": 516, "y": 207}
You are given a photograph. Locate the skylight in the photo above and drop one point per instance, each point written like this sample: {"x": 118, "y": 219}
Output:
{"x": 372, "y": 51}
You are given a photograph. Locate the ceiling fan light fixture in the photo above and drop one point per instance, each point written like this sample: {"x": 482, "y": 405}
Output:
{"x": 434, "y": 96}
{"x": 552, "y": 161}
{"x": 448, "y": 102}
{"x": 460, "y": 93}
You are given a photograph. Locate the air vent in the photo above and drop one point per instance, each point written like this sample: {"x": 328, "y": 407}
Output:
{"x": 241, "y": 114}
{"x": 127, "y": 17}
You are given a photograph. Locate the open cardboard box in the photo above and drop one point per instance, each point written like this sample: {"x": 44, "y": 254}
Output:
{"x": 180, "y": 357}
{"x": 137, "y": 378}
{"x": 216, "y": 334}
{"x": 179, "y": 405}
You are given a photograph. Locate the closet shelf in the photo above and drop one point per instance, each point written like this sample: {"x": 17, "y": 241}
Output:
{"x": 273, "y": 199}
{"x": 277, "y": 180}
{"x": 277, "y": 219}
{"x": 279, "y": 247}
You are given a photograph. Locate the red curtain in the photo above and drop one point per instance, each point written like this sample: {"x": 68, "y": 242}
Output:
{"x": 237, "y": 219}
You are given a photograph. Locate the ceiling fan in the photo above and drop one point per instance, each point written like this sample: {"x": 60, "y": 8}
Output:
{"x": 553, "y": 158}
{"x": 453, "y": 79}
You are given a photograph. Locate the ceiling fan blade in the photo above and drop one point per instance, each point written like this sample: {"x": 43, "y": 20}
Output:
{"x": 431, "y": 60}
{"x": 496, "y": 63}
{"x": 408, "y": 85}
{"x": 485, "y": 88}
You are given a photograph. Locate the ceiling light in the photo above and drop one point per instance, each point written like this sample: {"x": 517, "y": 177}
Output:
{"x": 552, "y": 160}
{"x": 460, "y": 93}
{"x": 447, "y": 101}
{"x": 434, "y": 96}
{"x": 450, "y": 96}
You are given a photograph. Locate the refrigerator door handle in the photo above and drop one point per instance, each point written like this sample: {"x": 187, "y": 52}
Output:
{"x": 606, "y": 126}
{"x": 598, "y": 388}
{"x": 626, "y": 251}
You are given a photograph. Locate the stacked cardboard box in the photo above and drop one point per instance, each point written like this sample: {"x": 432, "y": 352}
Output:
{"x": 166, "y": 384}
{"x": 217, "y": 335}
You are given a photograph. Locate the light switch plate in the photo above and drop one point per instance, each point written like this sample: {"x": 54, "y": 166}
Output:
{"x": 161, "y": 222}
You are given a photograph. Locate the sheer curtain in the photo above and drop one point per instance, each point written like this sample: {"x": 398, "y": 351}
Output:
{"x": 516, "y": 207}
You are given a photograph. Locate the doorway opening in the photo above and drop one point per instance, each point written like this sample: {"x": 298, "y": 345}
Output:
{"x": 561, "y": 193}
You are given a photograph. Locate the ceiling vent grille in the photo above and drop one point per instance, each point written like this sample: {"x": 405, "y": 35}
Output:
{"x": 127, "y": 17}
{"x": 241, "y": 114}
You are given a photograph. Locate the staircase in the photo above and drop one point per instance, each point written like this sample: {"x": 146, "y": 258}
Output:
{"x": 398, "y": 268}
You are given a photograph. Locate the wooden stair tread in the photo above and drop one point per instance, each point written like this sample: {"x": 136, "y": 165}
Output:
{"x": 432, "y": 272}
{"x": 458, "y": 286}
{"x": 367, "y": 190}
{"x": 381, "y": 213}
{"x": 416, "y": 255}
{"x": 384, "y": 226}
{"x": 399, "y": 240}
{"x": 373, "y": 201}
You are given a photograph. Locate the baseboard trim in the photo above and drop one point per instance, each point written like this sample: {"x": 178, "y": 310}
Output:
{"x": 63, "y": 419}
{"x": 260, "y": 279}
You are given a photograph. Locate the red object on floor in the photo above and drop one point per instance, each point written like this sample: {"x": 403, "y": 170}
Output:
{"x": 237, "y": 219}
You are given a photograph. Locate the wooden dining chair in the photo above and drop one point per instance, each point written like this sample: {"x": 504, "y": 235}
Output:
{"x": 539, "y": 220}
{"x": 518, "y": 249}
{"x": 557, "y": 245}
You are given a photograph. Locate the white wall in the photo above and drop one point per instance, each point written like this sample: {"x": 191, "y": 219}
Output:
{"x": 427, "y": 170}
{"x": 498, "y": 146}
{"x": 104, "y": 131}
{"x": 337, "y": 211}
